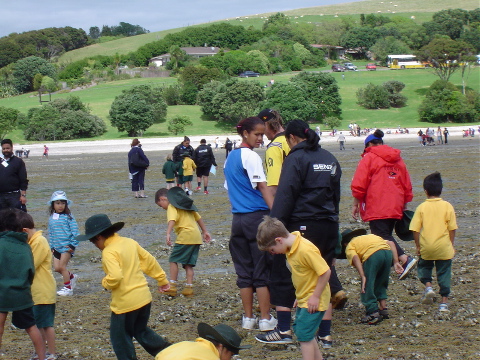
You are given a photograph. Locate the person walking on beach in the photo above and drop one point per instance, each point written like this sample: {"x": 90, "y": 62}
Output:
{"x": 138, "y": 163}
{"x": 13, "y": 179}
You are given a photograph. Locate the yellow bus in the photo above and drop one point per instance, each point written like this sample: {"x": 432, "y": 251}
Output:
{"x": 404, "y": 62}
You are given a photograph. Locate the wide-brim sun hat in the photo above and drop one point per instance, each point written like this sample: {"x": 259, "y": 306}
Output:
{"x": 59, "y": 195}
{"x": 222, "y": 334}
{"x": 97, "y": 224}
{"x": 402, "y": 226}
{"x": 347, "y": 235}
{"x": 179, "y": 199}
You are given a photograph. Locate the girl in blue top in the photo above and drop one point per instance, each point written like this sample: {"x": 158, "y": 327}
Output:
{"x": 247, "y": 189}
{"x": 62, "y": 231}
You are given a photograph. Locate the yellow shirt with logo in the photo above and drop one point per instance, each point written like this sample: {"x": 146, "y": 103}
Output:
{"x": 124, "y": 262}
{"x": 307, "y": 265}
{"x": 186, "y": 226}
{"x": 200, "y": 349}
{"x": 276, "y": 152}
{"x": 364, "y": 246}
{"x": 434, "y": 219}
{"x": 44, "y": 287}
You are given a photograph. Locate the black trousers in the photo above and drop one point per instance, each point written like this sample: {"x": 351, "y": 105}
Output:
{"x": 384, "y": 229}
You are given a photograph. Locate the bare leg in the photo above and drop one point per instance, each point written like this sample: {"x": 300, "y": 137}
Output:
{"x": 189, "y": 273}
{"x": 382, "y": 304}
{"x": 173, "y": 271}
{"x": 247, "y": 301}
{"x": 37, "y": 341}
{"x": 61, "y": 266}
{"x": 328, "y": 313}
{"x": 48, "y": 335}
{"x": 310, "y": 350}
{"x": 403, "y": 258}
{"x": 205, "y": 181}
{"x": 263, "y": 296}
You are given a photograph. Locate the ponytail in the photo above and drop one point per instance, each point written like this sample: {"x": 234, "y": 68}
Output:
{"x": 301, "y": 129}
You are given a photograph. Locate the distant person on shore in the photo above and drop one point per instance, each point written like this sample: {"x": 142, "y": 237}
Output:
{"x": 445, "y": 135}
{"x": 177, "y": 157}
{"x": 138, "y": 163}
{"x": 341, "y": 139}
{"x": 125, "y": 262}
{"x": 434, "y": 224}
{"x": 439, "y": 136}
{"x": 228, "y": 147}
{"x": 45, "y": 151}
{"x": 44, "y": 285}
{"x": 182, "y": 218}
{"x": 204, "y": 159}
{"x": 219, "y": 342}
{"x": 169, "y": 170}
{"x": 16, "y": 262}
{"x": 216, "y": 143}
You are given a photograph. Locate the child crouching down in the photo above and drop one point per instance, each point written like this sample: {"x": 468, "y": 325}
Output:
{"x": 372, "y": 257}
{"x": 310, "y": 274}
{"x": 125, "y": 262}
{"x": 182, "y": 217}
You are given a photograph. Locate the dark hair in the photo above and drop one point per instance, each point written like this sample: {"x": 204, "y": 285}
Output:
{"x": 9, "y": 220}
{"x": 203, "y": 141}
{"x": 108, "y": 232}
{"x": 26, "y": 220}
{"x": 7, "y": 141}
{"x": 433, "y": 184}
{"x": 160, "y": 192}
{"x": 302, "y": 130}
{"x": 135, "y": 142}
{"x": 185, "y": 138}
{"x": 248, "y": 124}
{"x": 66, "y": 211}
{"x": 375, "y": 138}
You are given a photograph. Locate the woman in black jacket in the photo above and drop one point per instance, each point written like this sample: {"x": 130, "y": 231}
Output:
{"x": 177, "y": 157}
{"x": 137, "y": 164}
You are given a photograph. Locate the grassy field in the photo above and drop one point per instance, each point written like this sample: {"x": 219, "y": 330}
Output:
{"x": 417, "y": 81}
{"x": 422, "y": 11}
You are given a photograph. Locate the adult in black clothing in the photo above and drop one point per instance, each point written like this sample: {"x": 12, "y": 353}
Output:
{"x": 445, "y": 135}
{"x": 307, "y": 200}
{"x": 228, "y": 147}
{"x": 204, "y": 159}
{"x": 177, "y": 157}
{"x": 137, "y": 172}
{"x": 13, "y": 179}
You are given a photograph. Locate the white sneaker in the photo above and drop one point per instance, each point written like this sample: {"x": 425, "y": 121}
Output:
{"x": 73, "y": 281}
{"x": 249, "y": 323}
{"x": 65, "y": 292}
{"x": 428, "y": 296}
{"x": 267, "y": 324}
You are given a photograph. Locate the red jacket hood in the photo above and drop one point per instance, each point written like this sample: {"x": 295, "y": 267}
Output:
{"x": 386, "y": 152}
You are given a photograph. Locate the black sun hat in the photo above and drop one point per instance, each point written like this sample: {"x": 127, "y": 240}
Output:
{"x": 178, "y": 198}
{"x": 97, "y": 224}
{"x": 402, "y": 226}
{"x": 222, "y": 334}
{"x": 348, "y": 235}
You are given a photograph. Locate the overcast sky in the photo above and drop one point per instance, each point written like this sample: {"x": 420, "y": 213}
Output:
{"x": 154, "y": 15}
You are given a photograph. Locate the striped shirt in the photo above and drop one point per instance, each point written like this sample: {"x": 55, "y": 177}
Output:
{"x": 62, "y": 231}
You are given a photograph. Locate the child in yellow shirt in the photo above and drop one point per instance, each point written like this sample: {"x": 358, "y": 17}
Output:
{"x": 182, "y": 217}
{"x": 188, "y": 169}
{"x": 310, "y": 274}
{"x": 372, "y": 256}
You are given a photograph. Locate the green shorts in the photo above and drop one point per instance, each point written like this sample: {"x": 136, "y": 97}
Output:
{"x": 44, "y": 315}
{"x": 306, "y": 324}
{"x": 185, "y": 254}
{"x": 187, "y": 178}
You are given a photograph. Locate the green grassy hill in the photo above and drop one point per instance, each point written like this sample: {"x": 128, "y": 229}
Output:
{"x": 417, "y": 81}
{"x": 422, "y": 11}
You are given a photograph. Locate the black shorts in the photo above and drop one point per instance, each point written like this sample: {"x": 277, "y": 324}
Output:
{"x": 57, "y": 255}
{"x": 23, "y": 319}
{"x": 251, "y": 265}
{"x": 324, "y": 235}
{"x": 203, "y": 171}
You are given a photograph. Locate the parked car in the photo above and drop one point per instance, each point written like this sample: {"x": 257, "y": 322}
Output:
{"x": 371, "y": 67}
{"x": 337, "y": 68}
{"x": 350, "y": 66}
{"x": 247, "y": 74}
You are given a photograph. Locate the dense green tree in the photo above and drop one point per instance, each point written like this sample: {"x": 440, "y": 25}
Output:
{"x": 206, "y": 95}
{"x": 25, "y": 70}
{"x": 292, "y": 101}
{"x": 94, "y": 32}
{"x": 332, "y": 122}
{"x": 445, "y": 55}
{"x": 8, "y": 120}
{"x": 359, "y": 37}
{"x": 138, "y": 108}
{"x": 275, "y": 21}
{"x": 177, "y": 124}
{"x": 258, "y": 62}
{"x": 199, "y": 75}
{"x": 388, "y": 46}
{"x": 373, "y": 97}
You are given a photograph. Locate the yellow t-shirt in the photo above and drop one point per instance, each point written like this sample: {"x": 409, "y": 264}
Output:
{"x": 186, "y": 226}
{"x": 124, "y": 262}
{"x": 434, "y": 219}
{"x": 200, "y": 349}
{"x": 307, "y": 265}
{"x": 44, "y": 286}
{"x": 364, "y": 246}
{"x": 188, "y": 166}
{"x": 276, "y": 152}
